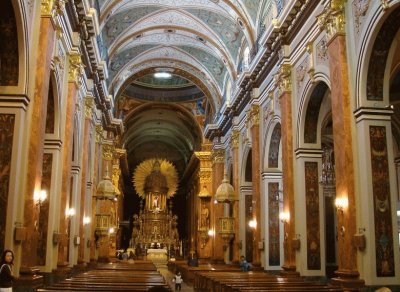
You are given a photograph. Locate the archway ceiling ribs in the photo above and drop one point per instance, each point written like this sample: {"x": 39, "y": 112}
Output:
{"x": 178, "y": 39}
{"x": 200, "y": 77}
{"x": 177, "y": 21}
{"x": 245, "y": 10}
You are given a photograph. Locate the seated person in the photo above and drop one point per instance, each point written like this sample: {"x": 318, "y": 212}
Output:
{"x": 193, "y": 260}
{"x": 244, "y": 265}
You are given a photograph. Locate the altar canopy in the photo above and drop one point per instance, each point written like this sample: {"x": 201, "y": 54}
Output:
{"x": 155, "y": 227}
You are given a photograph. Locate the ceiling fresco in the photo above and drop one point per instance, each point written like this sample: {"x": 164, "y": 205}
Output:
{"x": 200, "y": 42}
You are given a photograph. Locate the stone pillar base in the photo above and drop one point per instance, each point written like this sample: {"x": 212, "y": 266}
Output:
{"x": 62, "y": 272}
{"x": 103, "y": 259}
{"x": 92, "y": 264}
{"x": 81, "y": 267}
{"x": 348, "y": 280}
{"x": 29, "y": 280}
{"x": 289, "y": 271}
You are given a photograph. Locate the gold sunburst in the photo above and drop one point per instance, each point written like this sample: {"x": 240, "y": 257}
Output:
{"x": 145, "y": 168}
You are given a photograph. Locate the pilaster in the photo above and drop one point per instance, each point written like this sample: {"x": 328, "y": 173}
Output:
{"x": 235, "y": 205}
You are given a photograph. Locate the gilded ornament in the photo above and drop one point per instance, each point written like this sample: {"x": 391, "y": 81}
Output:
{"x": 116, "y": 173}
{"x": 89, "y": 103}
{"x": 255, "y": 114}
{"x": 235, "y": 139}
{"x": 203, "y": 155}
{"x": 46, "y": 7}
{"x": 108, "y": 151}
{"x": 99, "y": 133}
{"x": 218, "y": 155}
{"x": 144, "y": 169}
{"x": 283, "y": 78}
{"x": 205, "y": 175}
{"x": 118, "y": 153}
{"x": 385, "y": 4}
{"x": 332, "y": 20}
{"x": 75, "y": 68}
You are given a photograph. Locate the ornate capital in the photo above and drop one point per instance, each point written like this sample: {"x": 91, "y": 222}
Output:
{"x": 75, "y": 68}
{"x": 205, "y": 175}
{"x": 89, "y": 104}
{"x": 283, "y": 78}
{"x": 332, "y": 20}
{"x": 118, "y": 153}
{"x": 51, "y": 8}
{"x": 235, "y": 139}
{"x": 108, "y": 151}
{"x": 254, "y": 115}
{"x": 99, "y": 133}
{"x": 218, "y": 155}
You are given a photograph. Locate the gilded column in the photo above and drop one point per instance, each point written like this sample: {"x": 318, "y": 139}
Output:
{"x": 74, "y": 75}
{"x": 204, "y": 195}
{"x": 254, "y": 122}
{"x": 37, "y": 133}
{"x": 283, "y": 79}
{"x": 89, "y": 104}
{"x": 217, "y": 209}
{"x": 333, "y": 21}
{"x": 235, "y": 205}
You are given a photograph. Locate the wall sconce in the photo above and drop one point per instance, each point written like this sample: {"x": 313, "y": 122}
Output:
{"x": 284, "y": 217}
{"x": 341, "y": 203}
{"x": 70, "y": 212}
{"x": 39, "y": 197}
{"x": 253, "y": 224}
{"x": 86, "y": 220}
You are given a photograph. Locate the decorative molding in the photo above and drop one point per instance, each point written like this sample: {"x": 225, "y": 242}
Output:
{"x": 322, "y": 50}
{"x": 99, "y": 133}
{"x": 118, "y": 153}
{"x": 301, "y": 72}
{"x": 360, "y": 8}
{"x": 254, "y": 115}
{"x": 51, "y": 8}
{"x": 205, "y": 175}
{"x": 332, "y": 19}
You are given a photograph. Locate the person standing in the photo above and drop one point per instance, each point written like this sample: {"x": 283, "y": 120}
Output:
{"x": 178, "y": 281}
{"x": 6, "y": 274}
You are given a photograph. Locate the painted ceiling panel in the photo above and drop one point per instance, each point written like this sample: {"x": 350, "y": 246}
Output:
{"x": 120, "y": 21}
{"x": 214, "y": 65}
{"x": 252, "y": 7}
{"x": 228, "y": 31}
{"x": 122, "y": 58}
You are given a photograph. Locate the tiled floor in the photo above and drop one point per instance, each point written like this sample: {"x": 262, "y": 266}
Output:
{"x": 169, "y": 275}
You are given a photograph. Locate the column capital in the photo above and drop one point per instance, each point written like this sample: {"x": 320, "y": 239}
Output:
{"x": 75, "y": 68}
{"x": 235, "y": 139}
{"x": 108, "y": 151}
{"x": 218, "y": 155}
{"x": 254, "y": 115}
{"x": 99, "y": 133}
{"x": 283, "y": 78}
{"x": 89, "y": 104}
{"x": 118, "y": 153}
{"x": 50, "y": 8}
{"x": 332, "y": 19}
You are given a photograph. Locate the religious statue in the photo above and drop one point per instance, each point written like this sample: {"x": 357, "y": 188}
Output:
{"x": 205, "y": 216}
{"x": 155, "y": 202}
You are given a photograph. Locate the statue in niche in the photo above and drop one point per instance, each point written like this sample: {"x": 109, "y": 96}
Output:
{"x": 156, "y": 202}
{"x": 205, "y": 216}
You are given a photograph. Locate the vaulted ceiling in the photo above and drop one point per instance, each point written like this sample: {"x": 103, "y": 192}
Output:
{"x": 200, "y": 41}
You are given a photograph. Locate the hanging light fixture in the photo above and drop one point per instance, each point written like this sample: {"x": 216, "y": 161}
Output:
{"x": 327, "y": 178}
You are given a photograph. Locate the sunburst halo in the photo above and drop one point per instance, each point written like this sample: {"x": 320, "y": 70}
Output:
{"x": 145, "y": 168}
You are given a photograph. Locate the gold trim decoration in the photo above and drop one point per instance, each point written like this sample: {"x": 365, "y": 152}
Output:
{"x": 46, "y": 7}
{"x": 118, "y": 153}
{"x": 99, "y": 133}
{"x": 145, "y": 168}
{"x": 108, "y": 151}
{"x": 254, "y": 115}
{"x": 203, "y": 155}
{"x": 218, "y": 155}
{"x": 235, "y": 139}
{"x": 116, "y": 173}
{"x": 332, "y": 19}
{"x": 89, "y": 104}
{"x": 75, "y": 68}
{"x": 283, "y": 79}
{"x": 205, "y": 175}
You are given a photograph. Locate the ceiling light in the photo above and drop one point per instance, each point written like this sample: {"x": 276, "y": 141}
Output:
{"x": 164, "y": 75}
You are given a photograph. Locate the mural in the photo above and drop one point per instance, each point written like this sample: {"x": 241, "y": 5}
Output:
{"x": 273, "y": 154}
{"x": 7, "y": 122}
{"x": 43, "y": 210}
{"x": 382, "y": 209}
{"x": 311, "y": 122}
{"x": 121, "y": 21}
{"x": 312, "y": 216}
{"x": 273, "y": 224}
{"x": 9, "y": 45}
{"x": 380, "y": 51}
{"x": 227, "y": 30}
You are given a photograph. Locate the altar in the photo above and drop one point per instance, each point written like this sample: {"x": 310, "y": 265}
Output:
{"x": 157, "y": 256}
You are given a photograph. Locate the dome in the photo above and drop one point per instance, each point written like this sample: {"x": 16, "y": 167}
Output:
{"x": 225, "y": 192}
{"x": 156, "y": 182}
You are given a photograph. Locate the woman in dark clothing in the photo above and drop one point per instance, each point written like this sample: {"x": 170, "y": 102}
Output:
{"x": 6, "y": 276}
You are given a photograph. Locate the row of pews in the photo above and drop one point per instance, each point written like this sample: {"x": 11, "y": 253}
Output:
{"x": 235, "y": 281}
{"x": 120, "y": 276}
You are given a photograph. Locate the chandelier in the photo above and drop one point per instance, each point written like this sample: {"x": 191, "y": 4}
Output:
{"x": 327, "y": 179}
